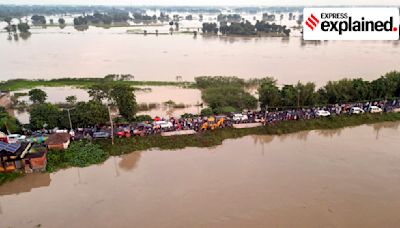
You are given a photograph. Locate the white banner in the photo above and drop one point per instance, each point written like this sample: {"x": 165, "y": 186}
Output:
{"x": 351, "y": 24}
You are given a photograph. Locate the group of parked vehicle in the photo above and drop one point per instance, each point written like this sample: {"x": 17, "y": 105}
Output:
{"x": 204, "y": 123}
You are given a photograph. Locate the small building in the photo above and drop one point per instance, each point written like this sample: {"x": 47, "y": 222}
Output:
{"x": 58, "y": 141}
{"x": 22, "y": 157}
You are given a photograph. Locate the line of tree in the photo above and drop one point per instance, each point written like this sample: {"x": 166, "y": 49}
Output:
{"x": 262, "y": 26}
{"x": 21, "y": 27}
{"x": 237, "y": 28}
{"x": 102, "y": 18}
{"x": 268, "y": 17}
{"x": 38, "y": 20}
{"x": 83, "y": 114}
{"x": 245, "y": 28}
{"x": 210, "y": 28}
{"x": 334, "y": 92}
{"x": 229, "y": 18}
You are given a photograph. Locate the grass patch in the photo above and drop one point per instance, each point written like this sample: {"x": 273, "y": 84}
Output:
{"x": 79, "y": 154}
{"x": 85, "y": 83}
{"x": 7, "y": 177}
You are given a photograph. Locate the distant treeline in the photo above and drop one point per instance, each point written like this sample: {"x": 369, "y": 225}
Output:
{"x": 102, "y": 18}
{"x": 18, "y": 11}
{"x": 334, "y": 92}
{"x": 229, "y": 93}
{"x": 245, "y": 28}
{"x": 17, "y": 84}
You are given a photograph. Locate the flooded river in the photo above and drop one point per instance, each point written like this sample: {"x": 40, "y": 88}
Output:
{"x": 98, "y": 51}
{"x": 334, "y": 178}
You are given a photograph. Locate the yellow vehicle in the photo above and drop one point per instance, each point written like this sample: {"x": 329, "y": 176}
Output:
{"x": 218, "y": 124}
{"x": 212, "y": 123}
{"x": 204, "y": 127}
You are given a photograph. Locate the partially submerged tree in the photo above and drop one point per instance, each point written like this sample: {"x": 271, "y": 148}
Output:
{"x": 37, "y": 96}
{"x": 125, "y": 99}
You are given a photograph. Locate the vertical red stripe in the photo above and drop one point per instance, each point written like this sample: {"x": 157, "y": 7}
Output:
{"x": 315, "y": 19}
{"x": 308, "y": 24}
{"x": 312, "y": 22}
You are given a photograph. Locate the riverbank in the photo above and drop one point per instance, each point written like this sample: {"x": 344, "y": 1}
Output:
{"x": 210, "y": 138}
{"x": 18, "y": 84}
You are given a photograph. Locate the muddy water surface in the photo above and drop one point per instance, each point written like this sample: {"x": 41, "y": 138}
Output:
{"x": 97, "y": 52}
{"x": 339, "y": 178}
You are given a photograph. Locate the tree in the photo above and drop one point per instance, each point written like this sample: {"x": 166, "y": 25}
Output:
{"x": 125, "y": 99}
{"x": 37, "y": 96}
{"x": 44, "y": 115}
{"x": 390, "y": 83}
{"x": 8, "y": 20}
{"x": 222, "y": 97}
{"x": 61, "y": 21}
{"x": 269, "y": 93}
{"x": 100, "y": 92}
{"x": 210, "y": 28}
{"x": 207, "y": 112}
{"x": 71, "y": 99}
{"x": 289, "y": 95}
{"x": 38, "y": 20}
{"x": 306, "y": 94}
{"x": 204, "y": 82}
{"x": 89, "y": 114}
{"x": 23, "y": 27}
{"x": 8, "y": 123}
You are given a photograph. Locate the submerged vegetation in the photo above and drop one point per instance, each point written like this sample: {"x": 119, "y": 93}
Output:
{"x": 18, "y": 84}
{"x": 79, "y": 154}
{"x": 225, "y": 94}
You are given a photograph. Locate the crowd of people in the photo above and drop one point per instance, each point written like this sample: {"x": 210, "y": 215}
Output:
{"x": 203, "y": 123}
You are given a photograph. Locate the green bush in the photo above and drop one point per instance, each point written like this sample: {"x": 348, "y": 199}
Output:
{"x": 207, "y": 112}
{"x": 225, "y": 110}
{"x": 142, "y": 118}
{"x": 82, "y": 154}
{"x": 79, "y": 154}
{"x": 56, "y": 160}
{"x": 6, "y": 177}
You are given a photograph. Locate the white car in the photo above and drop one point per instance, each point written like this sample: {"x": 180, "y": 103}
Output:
{"x": 356, "y": 110}
{"x": 322, "y": 113}
{"x": 16, "y": 138}
{"x": 375, "y": 109}
{"x": 163, "y": 124}
{"x": 239, "y": 117}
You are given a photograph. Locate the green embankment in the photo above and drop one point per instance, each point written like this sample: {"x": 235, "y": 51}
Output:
{"x": 213, "y": 138}
{"x": 82, "y": 155}
{"x": 18, "y": 84}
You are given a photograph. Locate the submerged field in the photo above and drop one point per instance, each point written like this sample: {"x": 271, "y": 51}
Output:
{"x": 18, "y": 84}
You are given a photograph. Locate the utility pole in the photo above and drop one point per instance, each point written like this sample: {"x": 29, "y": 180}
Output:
{"x": 265, "y": 114}
{"x": 298, "y": 98}
{"x": 69, "y": 117}
{"x": 112, "y": 125}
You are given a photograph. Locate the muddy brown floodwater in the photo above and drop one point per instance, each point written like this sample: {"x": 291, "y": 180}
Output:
{"x": 97, "y": 52}
{"x": 334, "y": 178}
